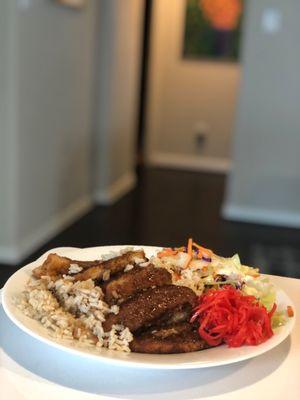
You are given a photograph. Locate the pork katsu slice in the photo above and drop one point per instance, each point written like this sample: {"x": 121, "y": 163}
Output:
{"x": 52, "y": 266}
{"x": 86, "y": 264}
{"x": 136, "y": 280}
{"x": 113, "y": 265}
{"x": 55, "y": 266}
{"x": 181, "y": 313}
{"x": 146, "y": 307}
{"x": 177, "y": 338}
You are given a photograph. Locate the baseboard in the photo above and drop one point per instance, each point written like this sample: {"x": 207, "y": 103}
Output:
{"x": 15, "y": 254}
{"x": 116, "y": 190}
{"x": 189, "y": 162}
{"x": 261, "y": 216}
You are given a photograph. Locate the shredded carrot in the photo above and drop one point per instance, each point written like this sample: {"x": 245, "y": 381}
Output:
{"x": 190, "y": 246}
{"x": 290, "y": 311}
{"x": 187, "y": 262}
{"x": 167, "y": 252}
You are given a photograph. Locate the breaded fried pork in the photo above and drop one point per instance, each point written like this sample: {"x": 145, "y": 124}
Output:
{"x": 176, "y": 338}
{"x": 113, "y": 265}
{"x": 134, "y": 281}
{"x": 145, "y": 308}
{"x": 56, "y": 266}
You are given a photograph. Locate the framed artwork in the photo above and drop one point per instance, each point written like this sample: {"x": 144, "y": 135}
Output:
{"x": 213, "y": 29}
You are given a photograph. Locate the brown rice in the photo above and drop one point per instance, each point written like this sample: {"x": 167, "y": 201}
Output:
{"x": 73, "y": 310}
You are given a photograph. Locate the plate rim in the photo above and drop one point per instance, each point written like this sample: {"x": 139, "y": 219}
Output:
{"x": 6, "y": 300}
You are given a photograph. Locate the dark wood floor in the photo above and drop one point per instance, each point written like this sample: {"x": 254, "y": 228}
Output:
{"x": 169, "y": 206}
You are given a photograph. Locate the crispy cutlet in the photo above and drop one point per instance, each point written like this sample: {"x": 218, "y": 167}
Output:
{"x": 113, "y": 265}
{"x": 146, "y": 307}
{"x": 177, "y": 338}
{"x": 181, "y": 313}
{"x": 56, "y": 266}
{"x": 133, "y": 281}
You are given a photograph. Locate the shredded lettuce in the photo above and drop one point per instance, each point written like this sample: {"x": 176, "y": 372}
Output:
{"x": 279, "y": 318}
{"x": 262, "y": 289}
{"x": 220, "y": 271}
{"x": 248, "y": 277}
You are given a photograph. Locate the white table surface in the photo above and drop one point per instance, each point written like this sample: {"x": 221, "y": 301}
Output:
{"x": 32, "y": 370}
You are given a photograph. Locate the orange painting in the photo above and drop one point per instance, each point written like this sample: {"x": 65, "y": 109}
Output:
{"x": 212, "y": 29}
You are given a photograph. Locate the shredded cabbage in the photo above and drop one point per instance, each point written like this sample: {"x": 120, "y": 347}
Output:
{"x": 279, "y": 318}
{"x": 219, "y": 271}
{"x": 262, "y": 289}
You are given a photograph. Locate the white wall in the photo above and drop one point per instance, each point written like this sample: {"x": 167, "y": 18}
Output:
{"x": 184, "y": 92}
{"x": 265, "y": 183}
{"x": 119, "y": 56}
{"x": 46, "y": 134}
{"x": 68, "y": 105}
{"x": 8, "y": 159}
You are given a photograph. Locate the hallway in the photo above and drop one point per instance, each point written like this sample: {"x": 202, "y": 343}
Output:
{"x": 166, "y": 208}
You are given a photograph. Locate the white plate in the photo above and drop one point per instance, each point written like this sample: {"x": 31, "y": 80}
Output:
{"x": 207, "y": 358}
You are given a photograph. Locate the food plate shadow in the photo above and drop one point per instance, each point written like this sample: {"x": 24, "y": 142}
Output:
{"x": 90, "y": 376}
